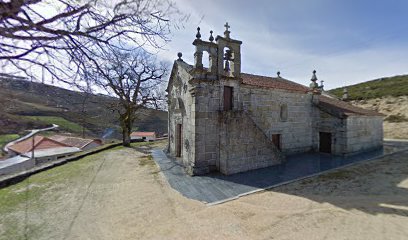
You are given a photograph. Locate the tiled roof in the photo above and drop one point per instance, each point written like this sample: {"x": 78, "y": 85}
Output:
{"x": 40, "y": 142}
{"x": 54, "y": 152}
{"x": 143, "y": 134}
{"x": 342, "y": 108}
{"x": 73, "y": 141}
{"x": 272, "y": 82}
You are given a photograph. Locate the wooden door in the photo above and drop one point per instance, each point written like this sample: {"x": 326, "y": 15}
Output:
{"x": 276, "y": 140}
{"x": 227, "y": 98}
{"x": 325, "y": 142}
{"x": 179, "y": 132}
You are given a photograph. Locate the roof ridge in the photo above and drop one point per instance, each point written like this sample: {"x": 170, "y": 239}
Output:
{"x": 36, "y": 144}
{"x": 347, "y": 107}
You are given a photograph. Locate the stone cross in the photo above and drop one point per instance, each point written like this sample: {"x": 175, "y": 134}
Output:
{"x": 227, "y": 33}
{"x": 226, "y": 26}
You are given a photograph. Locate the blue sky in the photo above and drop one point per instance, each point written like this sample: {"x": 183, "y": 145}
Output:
{"x": 345, "y": 41}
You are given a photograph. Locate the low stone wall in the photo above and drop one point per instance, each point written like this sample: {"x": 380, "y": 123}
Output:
{"x": 17, "y": 167}
{"x": 13, "y": 179}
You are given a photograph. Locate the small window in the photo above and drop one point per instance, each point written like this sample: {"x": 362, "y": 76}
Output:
{"x": 228, "y": 93}
{"x": 283, "y": 112}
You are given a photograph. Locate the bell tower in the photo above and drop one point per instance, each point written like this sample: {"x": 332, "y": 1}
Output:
{"x": 224, "y": 55}
{"x": 205, "y": 46}
{"x": 229, "y": 55}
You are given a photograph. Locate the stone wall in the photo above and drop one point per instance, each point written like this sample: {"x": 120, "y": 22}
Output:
{"x": 12, "y": 165}
{"x": 240, "y": 139}
{"x": 181, "y": 111}
{"x": 207, "y": 106}
{"x": 243, "y": 146}
{"x": 364, "y": 133}
{"x": 263, "y": 106}
{"x": 325, "y": 122}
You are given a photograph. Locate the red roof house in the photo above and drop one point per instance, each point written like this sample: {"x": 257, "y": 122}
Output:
{"x": 39, "y": 142}
{"x": 81, "y": 143}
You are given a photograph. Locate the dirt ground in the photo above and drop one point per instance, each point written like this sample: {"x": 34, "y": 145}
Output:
{"x": 120, "y": 194}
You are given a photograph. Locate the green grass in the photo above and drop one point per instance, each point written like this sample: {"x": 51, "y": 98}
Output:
{"x": 146, "y": 161}
{"x": 7, "y": 138}
{"x": 38, "y": 192}
{"x": 61, "y": 122}
{"x": 392, "y": 86}
{"x": 36, "y": 185}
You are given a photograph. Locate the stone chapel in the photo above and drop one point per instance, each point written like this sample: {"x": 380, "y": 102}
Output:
{"x": 221, "y": 119}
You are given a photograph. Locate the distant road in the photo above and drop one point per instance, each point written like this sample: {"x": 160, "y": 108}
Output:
{"x": 32, "y": 132}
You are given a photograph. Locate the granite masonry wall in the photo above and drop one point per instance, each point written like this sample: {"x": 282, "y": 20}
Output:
{"x": 325, "y": 122}
{"x": 207, "y": 107}
{"x": 181, "y": 111}
{"x": 364, "y": 133}
{"x": 244, "y": 146}
{"x": 295, "y": 126}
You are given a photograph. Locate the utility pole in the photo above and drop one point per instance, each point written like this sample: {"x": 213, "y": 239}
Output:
{"x": 35, "y": 132}
{"x": 32, "y": 150}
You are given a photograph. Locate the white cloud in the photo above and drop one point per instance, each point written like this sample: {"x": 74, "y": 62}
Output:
{"x": 341, "y": 56}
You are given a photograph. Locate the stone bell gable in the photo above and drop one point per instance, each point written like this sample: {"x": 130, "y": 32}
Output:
{"x": 224, "y": 55}
{"x": 221, "y": 119}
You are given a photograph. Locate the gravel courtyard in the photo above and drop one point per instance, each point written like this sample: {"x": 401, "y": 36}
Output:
{"x": 121, "y": 194}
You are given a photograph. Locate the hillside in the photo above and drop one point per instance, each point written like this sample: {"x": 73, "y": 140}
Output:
{"x": 389, "y": 86}
{"x": 388, "y": 96}
{"x": 26, "y": 105}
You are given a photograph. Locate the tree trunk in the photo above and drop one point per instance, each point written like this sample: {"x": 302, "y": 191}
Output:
{"x": 126, "y": 123}
{"x": 126, "y": 135}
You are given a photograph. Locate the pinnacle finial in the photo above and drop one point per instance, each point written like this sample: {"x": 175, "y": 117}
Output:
{"x": 278, "y": 73}
{"x": 345, "y": 94}
{"x": 179, "y": 55}
{"x": 321, "y": 85}
{"x": 314, "y": 78}
{"x": 198, "y": 35}
{"x": 211, "y": 36}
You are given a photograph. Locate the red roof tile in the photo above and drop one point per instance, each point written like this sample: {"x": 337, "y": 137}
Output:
{"x": 74, "y": 141}
{"x": 343, "y": 108}
{"x": 271, "y": 82}
{"x": 40, "y": 142}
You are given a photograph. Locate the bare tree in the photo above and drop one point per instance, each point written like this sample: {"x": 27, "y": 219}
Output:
{"x": 61, "y": 35}
{"x": 135, "y": 79}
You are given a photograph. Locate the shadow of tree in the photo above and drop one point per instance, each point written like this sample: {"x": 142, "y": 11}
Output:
{"x": 377, "y": 179}
{"x": 375, "y": 187}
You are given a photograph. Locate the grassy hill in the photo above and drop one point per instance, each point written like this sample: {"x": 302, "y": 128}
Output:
{"x": 391, "y": 86}
{"x": 26, "y": 105}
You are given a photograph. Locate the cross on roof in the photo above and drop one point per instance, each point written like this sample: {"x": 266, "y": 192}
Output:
{"x": 226, "y": 26}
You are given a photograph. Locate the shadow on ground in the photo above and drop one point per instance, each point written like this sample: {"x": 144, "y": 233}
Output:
{"x": 377, "y": 187}
{"x": 367, "y": 180}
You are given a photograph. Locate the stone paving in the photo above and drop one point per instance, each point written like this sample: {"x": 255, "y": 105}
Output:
{"x": 214, "y": 188}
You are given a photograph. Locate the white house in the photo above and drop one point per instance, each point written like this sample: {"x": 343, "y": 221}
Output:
{"x": 146, "y": 136}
